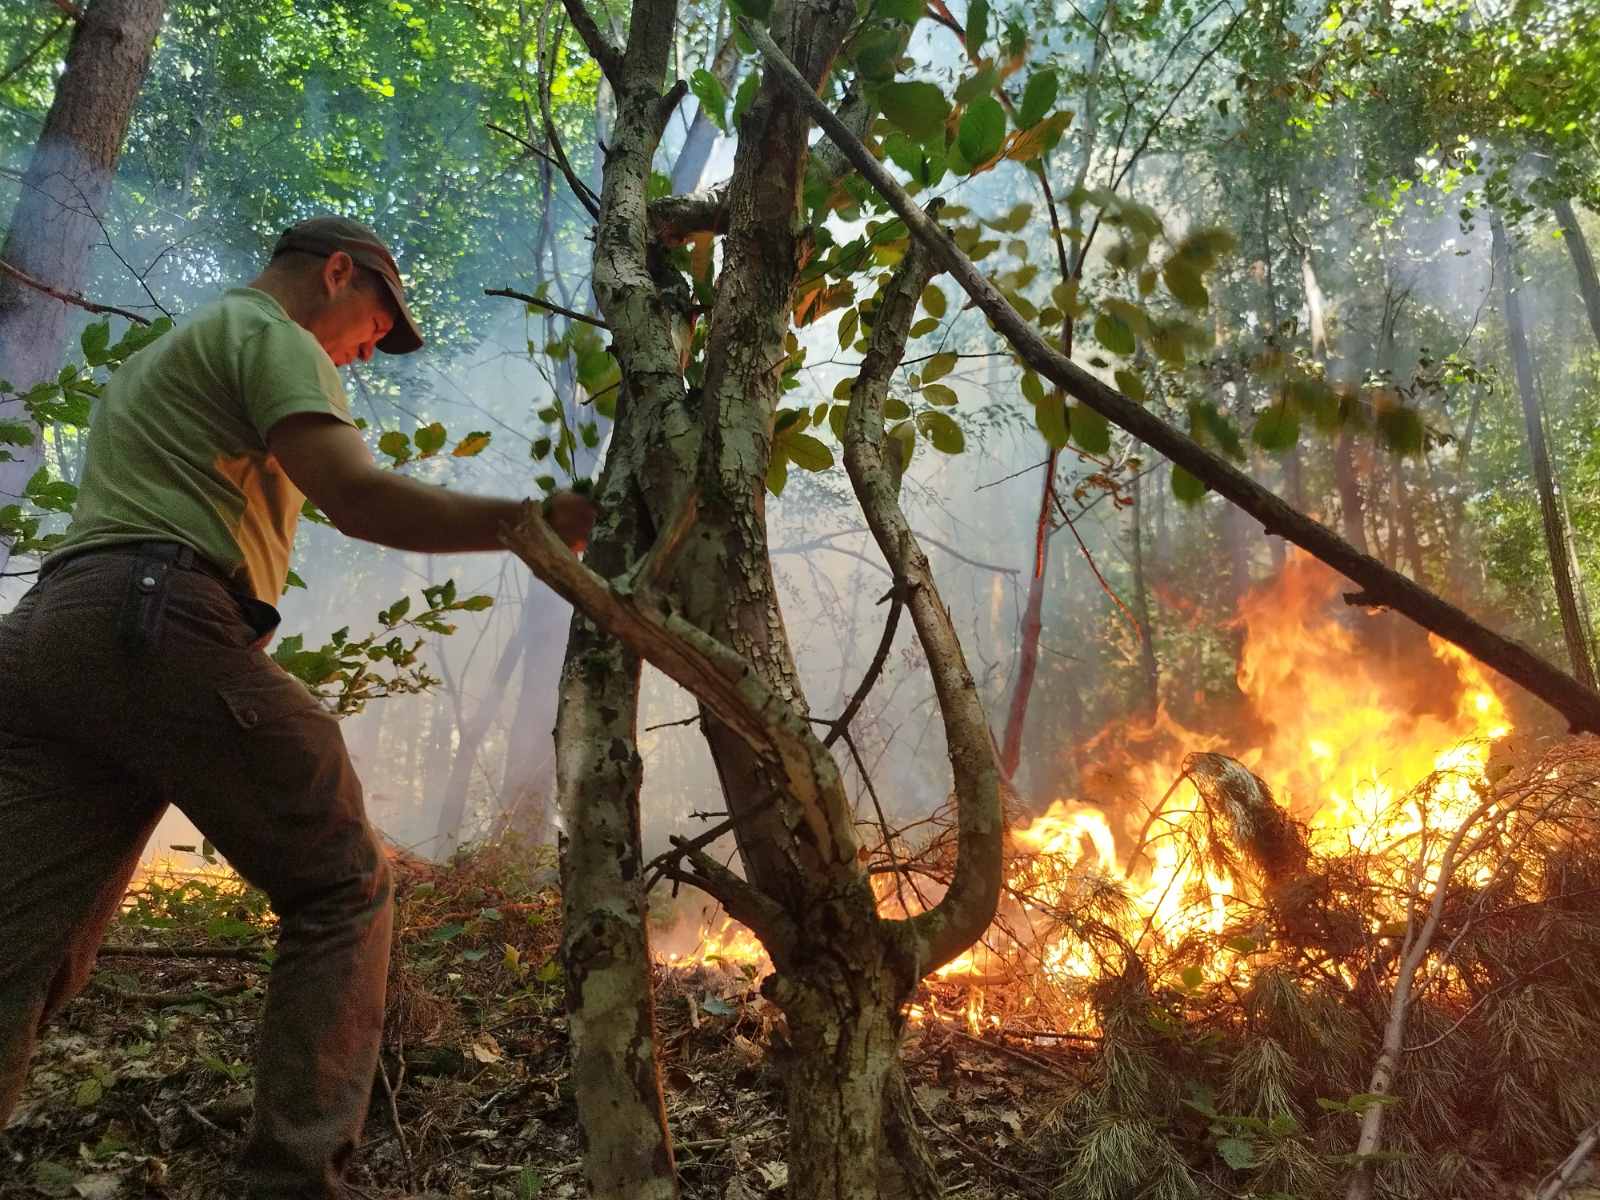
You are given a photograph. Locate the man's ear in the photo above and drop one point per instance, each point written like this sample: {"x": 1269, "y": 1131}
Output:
{"x": 338, "y": 271}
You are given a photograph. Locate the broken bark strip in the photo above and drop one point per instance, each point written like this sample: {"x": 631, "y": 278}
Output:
{"x": 1579, "y": 704}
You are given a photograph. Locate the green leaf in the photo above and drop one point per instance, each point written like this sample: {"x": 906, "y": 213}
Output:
{"x": 980, "y": 83}
{"x": 807, "y": 453}
{"x": 937, "y": 393}
{"x": 875, "y": 53}
{"x": 923, "y": 327}
{"x": 907, "y": 12}
{"x": 396, "y": 445}
{"x": 15, "y": 433}
{"x": 933, "y": 300}
{"x": 96, "y": 339}
{"x": 982, "y": 130}
{"x": 939, "y": 366}
{"x": 745, "y": 96}
{"x": 1202, "y": 247}
{"x": 293, "y": 580}
{"x": 1037, "y": 98}
{"x": 1050, "y": 415}
{"x": 1112, "y": 332}
{"x": 1032, "y": 387}
{"x": 1090, "y": 430}
{"x": 916, "y": 107}
{"x": 474, "y": 603}
{"x": 1186, "y": 487}
{"x": 777, "y": 473}
{"x": 1014, "y": 221}
{"x": 430, "y": 439}
{"x": 1132, "y": 386}
{"x": 1192, "y": 977}
{"x": 942, "y": 430}
{"x": 977, "y": 25}
{"x": 1183, "y": 280}
{"x": 1207, "y": 423}
{"x": 1237, "y": 1153}
{"x": 849, "y": 324}
{"x": 1402, "y": 430}
{"x": 1276, "y": 429}
{"x": 473, "y": 444}
{"x": 707, "y": 89}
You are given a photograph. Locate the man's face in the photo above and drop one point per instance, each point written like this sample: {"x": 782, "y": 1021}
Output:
{"x": 356, "y": 314}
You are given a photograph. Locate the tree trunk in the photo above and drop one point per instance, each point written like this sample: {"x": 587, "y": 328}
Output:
{"x": 1151, "y": 699}
{"x": 846, "y": 1035}
{"x": 1582, "y": 261}
{"x": 63, "y": 195}
{"x": 605, "y": 950}
{"x": 1563, "y": 567}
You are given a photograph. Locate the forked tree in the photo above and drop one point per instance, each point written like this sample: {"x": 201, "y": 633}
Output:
{"x": 678, "y": 574}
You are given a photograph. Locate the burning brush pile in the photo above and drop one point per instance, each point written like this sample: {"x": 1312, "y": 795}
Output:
{"x": 1354, "y": 945}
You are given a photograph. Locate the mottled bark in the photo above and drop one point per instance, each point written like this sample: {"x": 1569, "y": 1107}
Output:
{"x": 63, "y": 195}
{"x": 605, "y": 945}
{"x": 1563, "y": 566}
{"x": 1576, "y": 701}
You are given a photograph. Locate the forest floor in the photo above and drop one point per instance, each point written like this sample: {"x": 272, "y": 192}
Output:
{"x": 141, "y": 1087}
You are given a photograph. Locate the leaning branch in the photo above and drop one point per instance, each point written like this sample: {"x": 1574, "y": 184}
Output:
{"x": 1579, "y": 704}
{"x": 967, "y": 907}
{"x": 73, "y": 298}
{"x": 715, "y": 675}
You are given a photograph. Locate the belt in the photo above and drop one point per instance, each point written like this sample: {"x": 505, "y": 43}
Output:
{"x": 178, "y": 554}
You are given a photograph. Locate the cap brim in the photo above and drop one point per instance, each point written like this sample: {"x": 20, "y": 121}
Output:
{"x": 405, "y": 336}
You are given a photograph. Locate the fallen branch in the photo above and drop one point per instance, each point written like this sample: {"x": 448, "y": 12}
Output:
{"x": 1554, "y": 1185}
{"x": 240, "y": 952}
{"x": 172, "y": 998}
{"x": 73, "y": 298}
{"x": 1579, "y": 704}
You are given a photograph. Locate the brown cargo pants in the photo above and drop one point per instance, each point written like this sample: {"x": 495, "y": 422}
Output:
{"x": 128, "y": 683}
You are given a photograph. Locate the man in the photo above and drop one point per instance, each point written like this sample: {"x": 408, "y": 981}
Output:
{"x": 133, "y": 676}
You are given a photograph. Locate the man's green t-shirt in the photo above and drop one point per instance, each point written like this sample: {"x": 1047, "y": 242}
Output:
{"x": 178, "y": 442}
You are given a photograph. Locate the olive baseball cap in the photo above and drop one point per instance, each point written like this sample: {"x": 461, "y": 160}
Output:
{"x": 325, "y": 235}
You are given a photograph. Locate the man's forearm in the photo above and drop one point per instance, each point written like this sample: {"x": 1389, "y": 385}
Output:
{"x": 402, "y": 513}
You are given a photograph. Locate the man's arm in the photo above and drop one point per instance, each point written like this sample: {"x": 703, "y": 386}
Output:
{"x": 328, "y": 461}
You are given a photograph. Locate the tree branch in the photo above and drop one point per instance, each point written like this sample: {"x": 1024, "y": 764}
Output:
{"x": 570, "y": 313}
{"x": 897, "y": 598}
{"x": 676, "y": 219}
{"x": 74, "y": 298}
{"x": 603, "y": 52}
{"x": 711, "y": 672}
{"x": 1580, "y": 705}
{"x": 968, "y": 906}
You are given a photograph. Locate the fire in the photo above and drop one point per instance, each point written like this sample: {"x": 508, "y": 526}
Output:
{"x": 1340, "y": 731}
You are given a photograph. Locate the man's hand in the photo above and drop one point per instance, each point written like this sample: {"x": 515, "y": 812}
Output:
{"x": 571, "y": 516}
